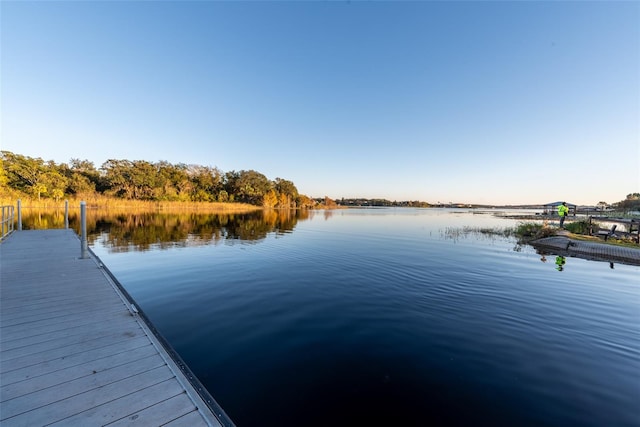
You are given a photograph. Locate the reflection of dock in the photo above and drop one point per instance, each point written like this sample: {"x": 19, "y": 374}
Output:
{"x": 75, "y": 351}
{"x": 591, "y": 250}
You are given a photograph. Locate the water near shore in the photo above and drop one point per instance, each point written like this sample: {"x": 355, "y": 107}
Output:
{"x": 385, "y": 317}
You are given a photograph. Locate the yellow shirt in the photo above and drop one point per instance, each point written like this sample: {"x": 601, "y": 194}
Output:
{"x": 563, "y": 210}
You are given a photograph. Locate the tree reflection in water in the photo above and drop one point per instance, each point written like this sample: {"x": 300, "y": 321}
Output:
{"x": 139, "y": 231}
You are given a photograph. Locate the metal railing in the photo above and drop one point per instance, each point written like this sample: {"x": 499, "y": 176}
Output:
{"x": 9, "y": 217}
{"x": 7, "y": 221}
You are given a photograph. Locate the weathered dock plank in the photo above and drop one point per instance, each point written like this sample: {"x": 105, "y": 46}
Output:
{"x": 173, "y": 405}
{"x": 117, "y": 410}
{"x": 71, "y": 350}
{"x": 137, "y": 371}
{"x": 61, "y": 409}
{"x": 49, "y": 348}
{"x": 59, "y": 336}
{"x": 31, "y": 383}
{"x": 70, "y": 361}
{"x": 88, "y": 321}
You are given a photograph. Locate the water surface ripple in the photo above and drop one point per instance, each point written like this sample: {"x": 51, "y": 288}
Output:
{"x": 378, "y": 317}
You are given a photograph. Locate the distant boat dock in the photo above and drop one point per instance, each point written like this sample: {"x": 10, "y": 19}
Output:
{"x": 75, "y": 350}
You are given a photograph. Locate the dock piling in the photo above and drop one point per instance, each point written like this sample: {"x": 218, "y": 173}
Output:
{"x": 19, "y": 215}
{"x": 83, "y": 229}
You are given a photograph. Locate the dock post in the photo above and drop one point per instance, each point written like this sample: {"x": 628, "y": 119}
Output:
{"x": 66, "y": 214}
{"x": 19, "y": 215}
{"x": 83, "y": 229}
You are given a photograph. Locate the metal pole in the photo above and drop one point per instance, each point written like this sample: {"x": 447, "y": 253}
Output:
{"x": 66, "y": 214}
{"x": 19, "y": 215}
{"x": 83, "y": 229}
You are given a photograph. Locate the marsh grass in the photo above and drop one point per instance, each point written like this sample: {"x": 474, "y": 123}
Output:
{"x": 527, "y": 231}
{"x": 457, "y": 232}
{"x": 578, "y": 227}
{"x": 112, "y": 204}
{"x": 524, "y": 232}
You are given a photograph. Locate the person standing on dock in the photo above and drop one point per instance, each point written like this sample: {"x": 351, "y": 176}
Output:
{"x": 563, "y": 211}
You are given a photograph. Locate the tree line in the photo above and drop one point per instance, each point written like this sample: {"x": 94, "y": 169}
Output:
{"x": 631, "y": 203}
{"x": 142, "y": 180}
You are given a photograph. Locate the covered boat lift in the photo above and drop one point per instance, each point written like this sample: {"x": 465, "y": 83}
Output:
{"x": 552, "y": 208}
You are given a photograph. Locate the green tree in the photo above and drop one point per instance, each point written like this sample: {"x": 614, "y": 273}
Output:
{"x": 54, "y": 179}
{"x": 38, "y": 190}
{"x": 207, "y": 182}
{"x": 251, "y": 186}
{"x": 230, "y": 181}
{"x": 143, "y": 180}
{"x": 118, "y": 180}
{"x": 3, "y": 175}
{"x": 85, "y": 178}
{"x": 24, "y": 173}
{"x": 631, "y": 203}
{"x": 305, "y": 202}
{"x": 223, "y": 196}
{"x": 144, "y": 176}
{"x": 130, "y": 180}
{"x": 270, "y": 199}
{"x": 167, "y": 180}
{"x": 288, "y": 193}
{"x": 80, "y": 185}
{"x": 57, "y": 194}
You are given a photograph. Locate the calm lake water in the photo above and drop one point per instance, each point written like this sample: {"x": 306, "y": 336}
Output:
{"x": 389, "y": 317}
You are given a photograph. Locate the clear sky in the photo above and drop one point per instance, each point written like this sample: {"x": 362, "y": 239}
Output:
{"x": 479, "y": 102}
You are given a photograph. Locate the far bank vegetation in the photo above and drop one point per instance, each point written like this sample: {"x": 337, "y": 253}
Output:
{"x": 142, "y": 184}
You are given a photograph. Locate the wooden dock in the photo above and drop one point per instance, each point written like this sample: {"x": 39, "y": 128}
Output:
{"x": 74, "y": 352}
{"x": 563, "y": 245}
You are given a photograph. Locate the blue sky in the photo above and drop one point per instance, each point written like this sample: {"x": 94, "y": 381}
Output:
{"x": 479, "y": 102}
